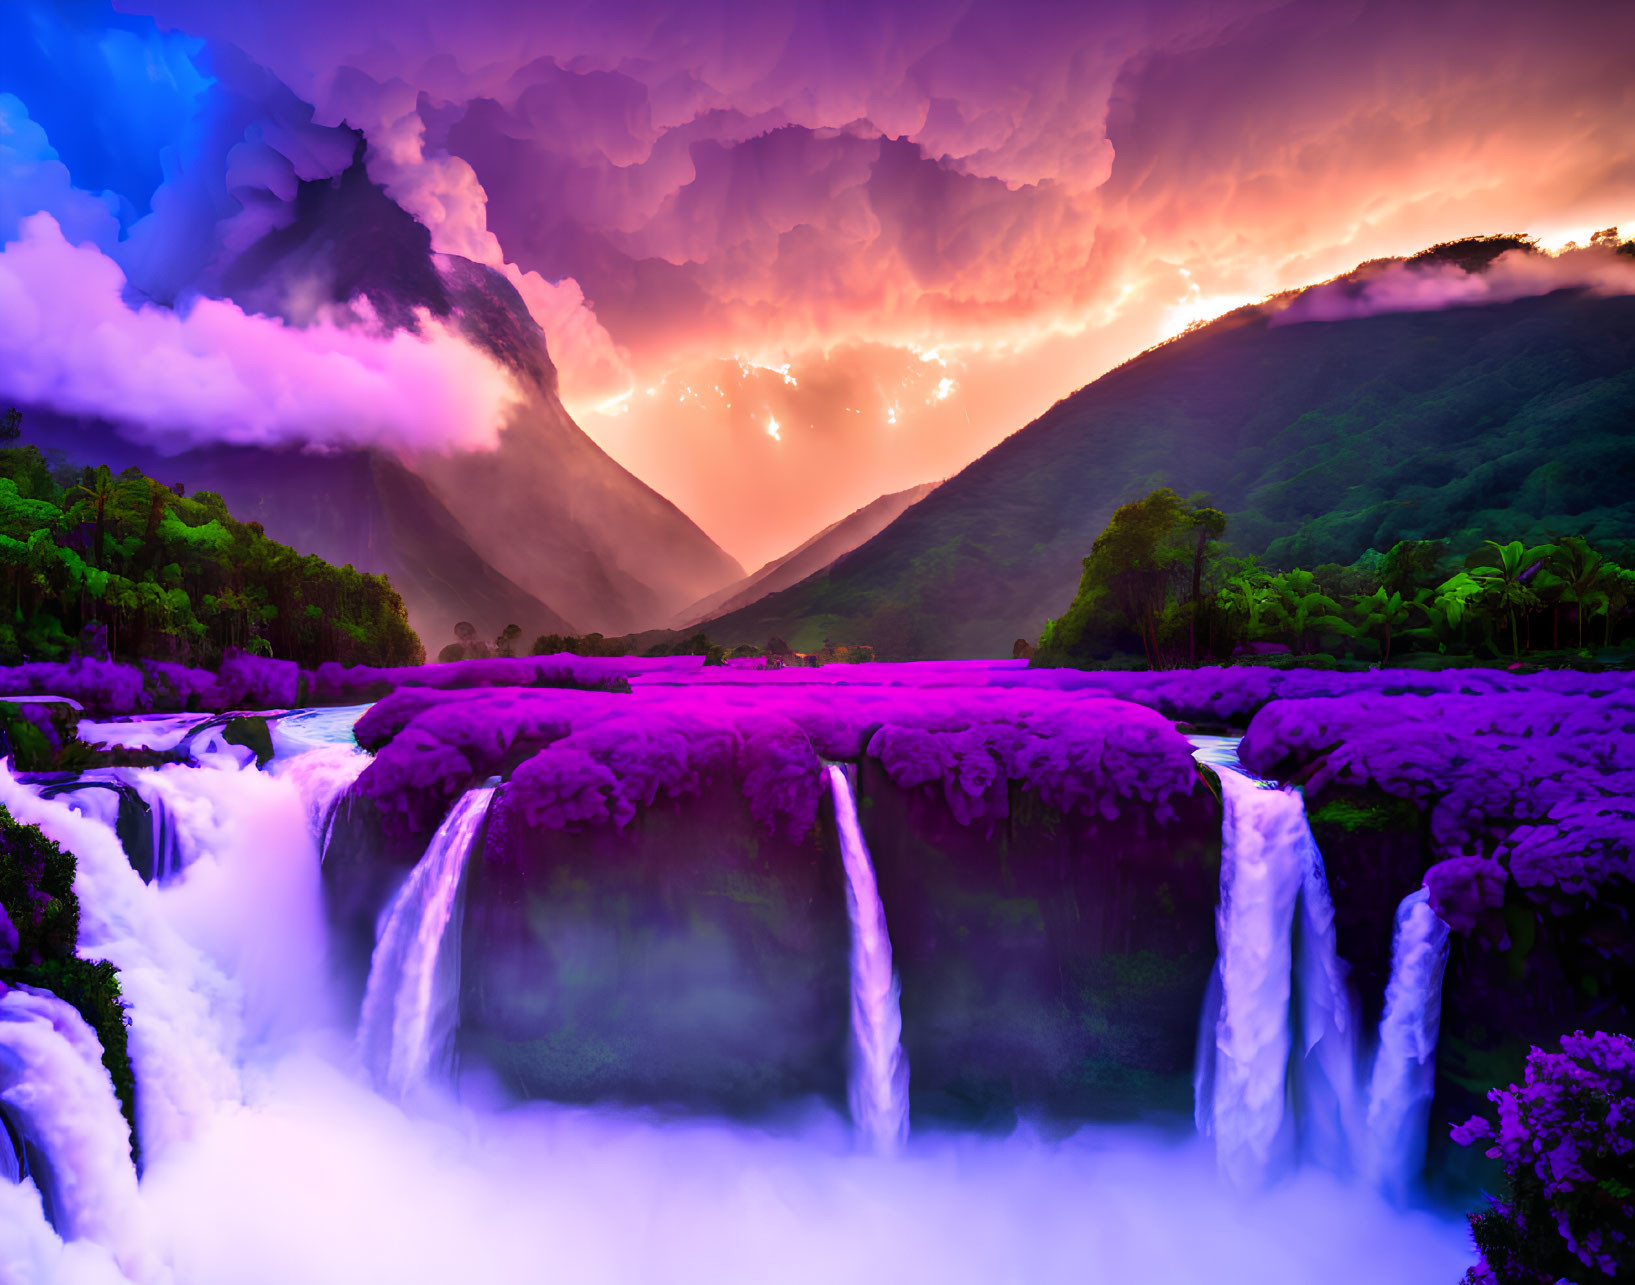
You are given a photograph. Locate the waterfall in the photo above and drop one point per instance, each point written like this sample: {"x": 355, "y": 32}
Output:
{"x": 1261, "y": 871}
{"x": 878, "y": 1084}
{"x": 1404, "y": 1078}
{"x": 53, "y": 1082}
{"x": 1326, "y": 1066}
{"x": 410, "y": 1003}
{"x": 184, "y": 1015}
{"x": 321, "y": 776}
{"x": 1272, "y": 879}
{"x": 1274, "y": 894}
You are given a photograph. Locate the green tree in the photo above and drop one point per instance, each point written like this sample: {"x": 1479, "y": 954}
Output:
{"x": 1387, "y": 613}
{"x": 1147, "y": 566}
{"x": 1504, "y": 581}
{"x": 1583, "y": 576}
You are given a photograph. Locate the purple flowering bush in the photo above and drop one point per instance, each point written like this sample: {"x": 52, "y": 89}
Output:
{"x": 1566, "y": 1139}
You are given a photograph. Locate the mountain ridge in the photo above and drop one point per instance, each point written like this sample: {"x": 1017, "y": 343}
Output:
{"x": 1320, "y": 439}
{"x": 813, "y": 554}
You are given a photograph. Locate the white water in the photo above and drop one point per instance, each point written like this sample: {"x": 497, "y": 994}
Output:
{"x": 877, "y": 1088}
{"x": 145, "y": 731}
{"x": 307, "y": 1176}
{"x": 53, "y": 1081}
{"x": 408, "y": 1007}
{"x": 320, "y": 776}
{"x": 1269, "y": 854}
{"x": 184, "y": 1015}
{"x": 1404, "y": 1078}
{"x": 1326, "y": 1065}
{"x": 1261, "y": 867}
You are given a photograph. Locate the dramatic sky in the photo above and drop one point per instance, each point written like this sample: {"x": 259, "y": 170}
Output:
{"x": 788, "y": 256}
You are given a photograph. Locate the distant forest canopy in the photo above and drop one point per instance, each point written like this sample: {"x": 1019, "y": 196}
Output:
{"x": 1161, "y": 583}
{"x": 99, "y": 563}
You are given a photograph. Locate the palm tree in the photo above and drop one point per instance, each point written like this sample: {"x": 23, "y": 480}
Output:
{"x": 1504, "y": 583}
{"x": 1616, "y": 594}
{"x": 101, "y": 491}
{"x": 1584, "y": 575}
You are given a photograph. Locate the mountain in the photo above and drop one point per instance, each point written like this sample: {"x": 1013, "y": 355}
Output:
{"x": 1320, "y": 440}
{"x": 356, "y": 508}
{"x": 546, "y": 532}
{"x": 818, "y": 552}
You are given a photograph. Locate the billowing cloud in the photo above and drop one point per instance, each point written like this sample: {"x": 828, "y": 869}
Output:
{"x": 33, "y": 178}
{"x": 1035, "y": 192}
{"x": 69, "y": 339}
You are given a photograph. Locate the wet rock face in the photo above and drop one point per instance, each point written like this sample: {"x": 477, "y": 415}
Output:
{"x": 364, "y": 863}
{"x": 1375, "y": 853}
{"x": 1051, "y": 965}
{"x": 689, "y": 958}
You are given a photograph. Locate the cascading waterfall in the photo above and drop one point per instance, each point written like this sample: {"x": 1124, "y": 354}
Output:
{"x": 184, "y": 1015}
{"x": 316, "y": 749}
{"x": 1261, "y": 869}
{"x": 321, "y": 777}
{"x": 878, "y": 1085}
{"x": 1326, "y": 1067}
{"x": 1274, "y": 892}
{"x": 409, "y": 1004}
{"x": 1404, "y": 1077}
{"x": 53, "y": 1081}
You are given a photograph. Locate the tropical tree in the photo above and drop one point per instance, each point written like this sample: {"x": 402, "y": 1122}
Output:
{"x": 100, "y": 492}
{"x": 1504, "y": 582}
{"x": 1247, "y": 594}
{"x": 1583, "y": 576}
{"x": 1148, "y": 567}
{"x": 1387, "y": 612}
{"x": 1301, "y": 610}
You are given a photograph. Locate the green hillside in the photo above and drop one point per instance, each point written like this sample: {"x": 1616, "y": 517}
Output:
{"x": 1320, "y": 441}
{"x": 93, "y": 561}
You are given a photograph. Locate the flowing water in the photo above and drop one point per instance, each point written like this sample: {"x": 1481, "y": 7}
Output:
{"x": 878, "y": 1086}
{"x": 270, "y": 1160}
{"x": 1261, "y": 868}
{"x": 408, "y": 1015}
{"x": 1404, "y": 1078}
{"x": 61, "y": 1101}
{"x": 1279, "y": 1022}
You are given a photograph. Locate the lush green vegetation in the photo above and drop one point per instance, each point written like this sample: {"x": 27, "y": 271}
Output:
{"x": 1161, "y": 582}
{"x": 37, "y": 901}
{"x": 97, "y": 562}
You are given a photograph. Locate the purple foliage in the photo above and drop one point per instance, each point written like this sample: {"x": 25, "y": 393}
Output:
{"x": 587, "y": 759}
{"x": 8, "y": 942}
{"x": 246, "y": 682}
{"x": 101, "y": 686}
{"x": 1566, "y": 1138}
{"x": 1536, "y": 785}
{"x": 335, "y": 684}
{"x": 1462, "y": 888}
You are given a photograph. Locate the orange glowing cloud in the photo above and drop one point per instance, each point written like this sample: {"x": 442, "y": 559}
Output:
{"x": 688, "y": 194}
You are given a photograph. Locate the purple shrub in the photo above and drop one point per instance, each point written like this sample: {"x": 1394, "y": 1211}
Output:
{"x": 1566, "y": 1139}
{"x": 581, "y": 759}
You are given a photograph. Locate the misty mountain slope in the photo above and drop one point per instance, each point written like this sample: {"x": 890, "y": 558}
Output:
{"x": 350, "y": 507}
{"x": 1320, "y": 439}
{"x": 548, "y": 509}
{"x": 823, "y": 548}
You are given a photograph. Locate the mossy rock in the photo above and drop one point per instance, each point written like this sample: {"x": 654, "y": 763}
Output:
{"x": 252, "y": 732}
